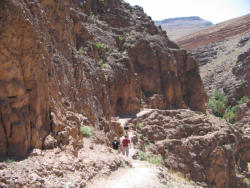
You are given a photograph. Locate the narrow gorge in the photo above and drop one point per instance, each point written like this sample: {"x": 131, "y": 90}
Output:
{"x": 68, "y": 64}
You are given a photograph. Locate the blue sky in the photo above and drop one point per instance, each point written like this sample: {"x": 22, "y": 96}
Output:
{"x": 212, "y": 10}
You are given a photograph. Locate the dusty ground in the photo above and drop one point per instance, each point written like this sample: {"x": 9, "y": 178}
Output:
{"x": 60, "y": 168}
{"x": 140, "y": 175}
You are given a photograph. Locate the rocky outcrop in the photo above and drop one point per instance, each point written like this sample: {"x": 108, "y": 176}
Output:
{"x": 241, "y": 71}
{"x": 70, "y": 63}
{"x": 242, "y": 112}
{"x": 243, "y": 151}
{"x": 56, "y": 168}
{"x": 203, "y": 148}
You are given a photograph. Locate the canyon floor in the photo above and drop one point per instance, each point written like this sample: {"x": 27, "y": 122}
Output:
{"x": 95, "y": 166}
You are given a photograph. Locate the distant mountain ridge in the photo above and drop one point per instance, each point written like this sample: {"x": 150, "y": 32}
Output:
{"x": 215, "y": 33}
{"x": 181, "y": 26}
{"x": 191, "y": 18}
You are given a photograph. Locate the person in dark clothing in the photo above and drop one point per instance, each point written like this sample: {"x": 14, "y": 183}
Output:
{"x": 126, "y": 127}
{"x": 116, "y": 144}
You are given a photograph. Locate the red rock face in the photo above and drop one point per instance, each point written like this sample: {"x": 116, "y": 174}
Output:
{"x": 55, "y": 77}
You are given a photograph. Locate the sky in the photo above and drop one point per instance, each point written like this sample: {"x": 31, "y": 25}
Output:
{"x": 212, "y": 10}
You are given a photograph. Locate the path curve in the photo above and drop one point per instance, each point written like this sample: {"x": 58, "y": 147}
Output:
{"x": 141, "y": 175}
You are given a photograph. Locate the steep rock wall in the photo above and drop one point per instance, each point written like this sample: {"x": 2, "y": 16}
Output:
{"x": 70, "y": 63}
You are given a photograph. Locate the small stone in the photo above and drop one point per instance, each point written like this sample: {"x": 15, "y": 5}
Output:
{"x": 2, "y": 166}
{"x": 36, "y": 152}
{"x": 58, "y": 173}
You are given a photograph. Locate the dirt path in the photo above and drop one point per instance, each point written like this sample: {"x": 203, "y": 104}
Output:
{"x": 141, "y": 175}
{"x": 125, "y": 118}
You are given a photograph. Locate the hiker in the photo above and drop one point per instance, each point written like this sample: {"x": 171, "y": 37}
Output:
{"x": 126, "y": 129}
{"x": 116, "y": 144}
{"x": 125, "y": 146}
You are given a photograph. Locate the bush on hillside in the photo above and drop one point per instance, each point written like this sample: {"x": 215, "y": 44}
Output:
{"x": 218, "y": 103}
{"x": 86, "y": 131}
{"x": 154, "y": 159}
{"x": 243, "y": 100}
{"x": 230, "y": 114}
{"x": 138, "y": 126}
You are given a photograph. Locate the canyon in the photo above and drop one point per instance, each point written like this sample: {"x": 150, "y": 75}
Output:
{"x": 69, "y": 64}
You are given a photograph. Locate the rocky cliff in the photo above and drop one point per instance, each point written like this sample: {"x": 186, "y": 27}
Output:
{"x": 70, "y": 63}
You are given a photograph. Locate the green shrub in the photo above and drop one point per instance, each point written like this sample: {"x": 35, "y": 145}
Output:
{"x": 80, "y": 50}
{"x": 154, "y": 159}
{"x": 99, "y": 45}
{"x": 141, "y": 101}
{"x": 101, "y": 62}
{"x": 143, "y": 156}
{"x": 218, "y": 103}
{"x": 230, "y": 114}
{"x": 86, "y": 131}
{"x": 91, "y": 14}
{"x": 245, "y": 180}
{"x": 243, "y": 100}
{"x": 138, "y": 126}
{"x": 121, "y": 38}
{"x": 101, "y": 1}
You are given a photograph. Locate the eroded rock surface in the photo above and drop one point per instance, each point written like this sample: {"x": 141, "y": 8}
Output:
{"x": 70, "y": 63}
{"x": 204, "y": 148}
